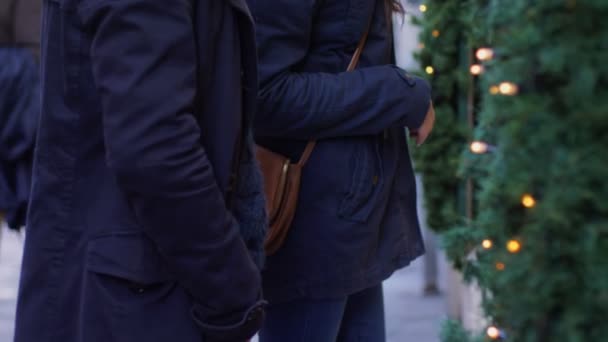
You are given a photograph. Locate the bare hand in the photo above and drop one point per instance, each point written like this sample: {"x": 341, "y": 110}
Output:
{"x": 427, "y": 126}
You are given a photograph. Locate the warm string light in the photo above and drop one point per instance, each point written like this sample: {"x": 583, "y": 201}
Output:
{"x": 421, "y": 45}
{"x": 493, "y": 333}
{"x": 429, "y": 70}
{"x": 480, "y": 147}
{"x": 476, "y": 69}
{"x": 500, "y": 266}
{"x": 508, "y": 88}
{"x": 514, "y": 246}
{"x": 436, "y": 33}
{"x": 528, "y": 201}
{"x": 484, "y": 54}
{"x": 423, "y": 8}
{"x": 487, "y": 244}
{"x": 505, "y": 88}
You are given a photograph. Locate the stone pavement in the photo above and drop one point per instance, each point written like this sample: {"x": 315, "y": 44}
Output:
{"x": 410, "y": 316}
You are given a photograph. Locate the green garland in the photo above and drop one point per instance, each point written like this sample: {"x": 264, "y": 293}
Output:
{"x": 545, "y": 276}
{"x": 438, "y": 159}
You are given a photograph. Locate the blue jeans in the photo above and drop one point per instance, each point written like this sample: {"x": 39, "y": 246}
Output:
{"x": 355, "y": 318}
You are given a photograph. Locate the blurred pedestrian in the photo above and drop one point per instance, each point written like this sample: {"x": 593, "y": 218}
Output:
{"x": 19, "y": 104}
{"x": 356, "y": 220}
{"x": 20, "y": 24}
{"x": 138, "y": 229}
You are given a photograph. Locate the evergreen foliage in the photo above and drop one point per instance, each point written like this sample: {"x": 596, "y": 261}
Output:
{"x": 549, "y": 142}
{"x": 439, "y": 159}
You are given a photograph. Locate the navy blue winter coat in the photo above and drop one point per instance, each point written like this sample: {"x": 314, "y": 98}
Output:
{"x": 129, "y": 234}
{"x": 19, "y": 108}
{"x": 356, "y": 219}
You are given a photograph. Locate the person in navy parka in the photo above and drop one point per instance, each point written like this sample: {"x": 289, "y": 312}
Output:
{"x": 356, "y": 220}
{"x": 138, "y": 230}
{"x": 19, "y": 104}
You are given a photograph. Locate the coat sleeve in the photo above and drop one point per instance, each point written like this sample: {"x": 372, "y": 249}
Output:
{"x": 144, "y": 64}
{"x": 315, "y": 105}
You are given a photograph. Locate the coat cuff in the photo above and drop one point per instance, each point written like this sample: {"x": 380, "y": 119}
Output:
{"x": 418, "y": 92}
{"x": 246, "y": 326}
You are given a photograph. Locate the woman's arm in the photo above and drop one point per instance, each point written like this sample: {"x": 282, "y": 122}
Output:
{"x": 323, "y": 105}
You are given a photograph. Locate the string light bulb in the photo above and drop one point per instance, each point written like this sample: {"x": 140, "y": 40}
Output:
{"x": 423, "y": 8}
{"x": 508, "y": 88}
{"x": 436, "y": 33}
{"x": 479, "y": 147}
{"x": 500, "y": 266}
{"x": 429, "y": 70}
{"x": 476, "y": 69}
{"x": 528, "y": 201}
{"x": 484, "y": 54}
{"x": 487, "y": 244}
{"x": 493, "y": 332}
{"x": 421, "y": 45}
{"x": 494, "y": 90}
{"x": 514, "y": 246}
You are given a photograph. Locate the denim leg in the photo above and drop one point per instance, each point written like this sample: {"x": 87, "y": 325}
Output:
{"x": 303, "y": 321}
{"x": 363, "y": 319}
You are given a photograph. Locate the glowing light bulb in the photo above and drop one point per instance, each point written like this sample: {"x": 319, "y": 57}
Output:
{"x": 514, "y": 246}
{"x": 436, "y": 33}
{"x": 494, "y": 90}
{"x": 500, "y": 266}
{"x": 484, "y": 54}
{"x": 508, "y": 88}
{"x": 479, "y": 147}
{"x": 429, "y": 70}
{"x": 421, "y": 46}
{"x": 477, "y": 69}
{"x": 528, "y": 201}
{"x": 493, "y": 333}
{"x": 487, "y": 244}
{"x": 423, "y": 8}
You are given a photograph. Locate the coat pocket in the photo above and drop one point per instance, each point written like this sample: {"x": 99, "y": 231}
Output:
{"x": 128, "y": 295}
{"x": 128, "y": 255}
{"x": 366, "y": 179}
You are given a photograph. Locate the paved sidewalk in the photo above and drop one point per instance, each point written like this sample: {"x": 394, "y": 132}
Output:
{"x": 411, "y": 317}
{"x": 10, "y": 261}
